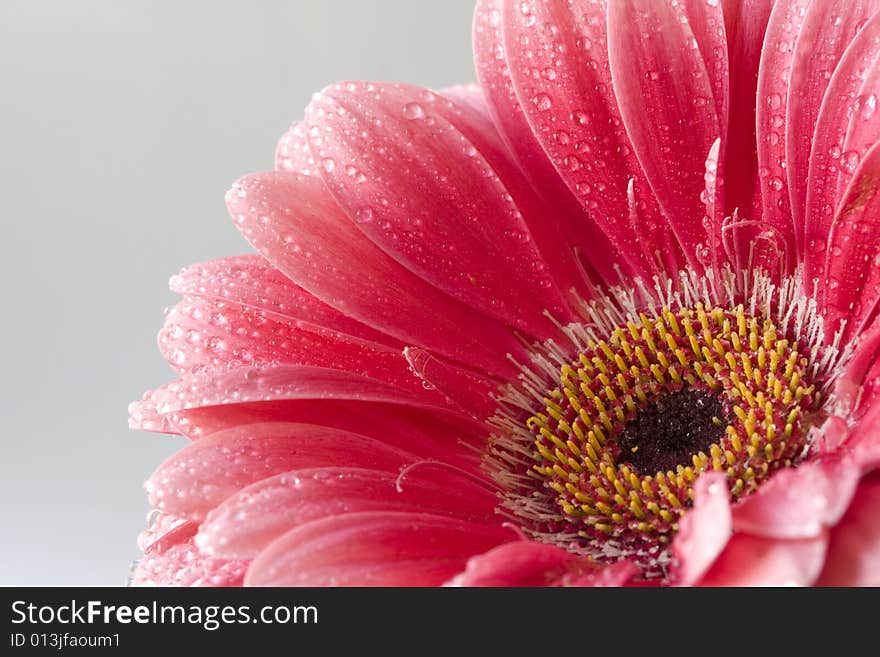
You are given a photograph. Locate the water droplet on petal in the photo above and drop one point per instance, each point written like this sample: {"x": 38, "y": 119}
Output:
{"x": 542, "y": 102}
{"x": 413, "y": 111}
{"x": 580, "y": 117}
{"x": 364, "y": 215}
{"x": 849, "y": 161}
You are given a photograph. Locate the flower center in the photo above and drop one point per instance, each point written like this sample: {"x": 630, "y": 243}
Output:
{"x": 640, "y": 415}
{"x": 671, "y": 429}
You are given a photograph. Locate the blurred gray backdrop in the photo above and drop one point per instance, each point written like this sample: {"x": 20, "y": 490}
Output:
{"x": 122, "y": 124}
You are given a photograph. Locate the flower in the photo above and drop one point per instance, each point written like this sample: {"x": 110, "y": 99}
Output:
{"x": 609, "y": 317}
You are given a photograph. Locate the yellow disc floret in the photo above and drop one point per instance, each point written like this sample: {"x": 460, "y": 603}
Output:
{"x": 637, "y": 417}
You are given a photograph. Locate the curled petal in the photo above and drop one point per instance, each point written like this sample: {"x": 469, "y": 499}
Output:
{"x": 527, "y": 563}
{"x": 704, "y": 530}
{"x": 864, "y": 439}
{"x": 854, "y": 547}
{"x": 757, "y": 561}
{"x": 799, "y": 502}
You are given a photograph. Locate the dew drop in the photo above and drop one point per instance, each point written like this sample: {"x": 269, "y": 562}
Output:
{"x": 776, "y": 183}
{"x": 328, "y": 164}
{"x": 849, "y": 161}
{"x": 572, "y": 163}
{"x": 580, "y": 117}
{"x": 542, "y": 102}
{"x": 413, "y": 111}
{"x": 866, "y": 105}
{"x": 364, "y": 215}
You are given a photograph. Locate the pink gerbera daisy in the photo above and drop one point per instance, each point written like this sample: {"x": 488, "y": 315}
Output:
{"x": 608, "y": 317}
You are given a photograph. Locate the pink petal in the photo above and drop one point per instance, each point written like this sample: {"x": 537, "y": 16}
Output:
{"x": 250, "y": 281}
{"x": 854, "y": 547}
{"x": 202, "y": 332}
{"x": 745, "y": 24}
{"x": 454, "y": 439}
{"x": 839, "y": 104}
{"x": 267, "y": 383}
{"x": 197, "y": 406}
{"x": 853, "y": 384}
{"x": 470, "y": 97}
{"x": 292, "y": 153}
{"x": 475, "y": 395}
{"x": 871, "y": 390}
{"x": 204, "y": 473}
{"x": 777, "y": 58}
{"x": 293, "y": 221}
{"x": 864, "y": 441}
{"x": 165, "y": 531}
{"x": 708, "y": 25}
{"x": 527, "y": 563}
{"x": 248, "y": 521}
{"x": 562, "y": 79}
{"x": 704, "y": 530}
{"x": 852, "y": 265}
{"x": 833, "y": 433}
{"x": 580, "y": 230}
{"x": 426, "y": 192}
{"x": 557, "y": 238}
{"x": 667, "y": 104}
{"x": 758, "y": 561}
{"x": 864, "y": 128}
{"x": 616, "y": 574}
{"x": 374, "y": 549}
{"x": 183, "y": 565}
{"x": 799, "y": 502}
{"x": 828, "y": 29}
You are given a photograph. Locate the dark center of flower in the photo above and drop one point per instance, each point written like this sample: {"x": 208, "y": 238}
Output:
{"x": 640, "y": 415}
{"x": 670, "y": 430}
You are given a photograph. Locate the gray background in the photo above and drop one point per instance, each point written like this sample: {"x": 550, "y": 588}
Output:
{"x": 122, "y": 124}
